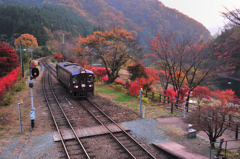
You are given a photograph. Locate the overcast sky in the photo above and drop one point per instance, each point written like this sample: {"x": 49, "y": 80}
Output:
{"x": 206, "y": 12}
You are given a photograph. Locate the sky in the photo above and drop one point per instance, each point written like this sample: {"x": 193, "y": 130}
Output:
{"x": 206, "y": 12}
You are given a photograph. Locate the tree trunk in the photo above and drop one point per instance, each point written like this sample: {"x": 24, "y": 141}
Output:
{"x": 212, "y": 142}
{"x": 187, "y": 101}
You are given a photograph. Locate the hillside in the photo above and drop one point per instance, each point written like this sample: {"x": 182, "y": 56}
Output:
{"x": 138, "y": 16}
{"x": 16, "y": 20}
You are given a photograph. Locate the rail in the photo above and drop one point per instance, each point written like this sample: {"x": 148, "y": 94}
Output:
{"x": 112, "y": 134}
{"x": 55, "y": 122}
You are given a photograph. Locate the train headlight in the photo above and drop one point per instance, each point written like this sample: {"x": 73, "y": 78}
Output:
{"x": 83, "y": 85}
{"x": 90, "y": 85}
{"x": 75, "y": 86}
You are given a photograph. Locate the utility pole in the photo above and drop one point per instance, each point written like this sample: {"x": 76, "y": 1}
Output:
{"x": 63, "y": 48}
{"x": 21, "y": 58}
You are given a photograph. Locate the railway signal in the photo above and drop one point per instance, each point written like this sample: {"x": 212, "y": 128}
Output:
{"x": 35, "y": 73}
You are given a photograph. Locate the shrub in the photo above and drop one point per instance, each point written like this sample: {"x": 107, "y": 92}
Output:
{"x": 19, "y": 86}
{"x": 53, "y": 60}
{"x": 118, "y": 87}
{"x": 120, "y": 82}
{"x": 8, "y": 81}
{"x": 144, "y": 99}
{"x": 134, "y": 89}
{"x": 58, "y": 57}
{"x": 7, "y": 99}
{"x": 105, "y": 79}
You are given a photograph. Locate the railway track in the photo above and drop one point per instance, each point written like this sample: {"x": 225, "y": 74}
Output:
{"x": 127, "y": 145}
{"x": 72, "y": 148}
{"x": 127, "y": 142}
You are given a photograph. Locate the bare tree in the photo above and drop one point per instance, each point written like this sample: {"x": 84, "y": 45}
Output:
{"x": 232, "y": 16}
{"x": 212, "y": 120}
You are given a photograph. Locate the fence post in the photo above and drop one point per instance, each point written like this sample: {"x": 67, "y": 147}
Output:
{"x": 171, "y": 107}
{"x": 229, "y": 120}
{"x": 152, "y": 95}
{"x": 236, "y": 135}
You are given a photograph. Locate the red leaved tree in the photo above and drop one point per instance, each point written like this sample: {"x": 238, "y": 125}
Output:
{"x": 225, "y": 96}
{"x": 212, "y": 120}
{"x": 8, "y": 59}
{"x": 201, "y": 92}
{"x": 186, "y": 60}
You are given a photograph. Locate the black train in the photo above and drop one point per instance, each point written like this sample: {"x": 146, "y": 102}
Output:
{"x": 78, "y": 81}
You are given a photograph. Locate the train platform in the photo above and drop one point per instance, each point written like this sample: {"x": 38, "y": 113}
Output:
{"x": 178, "y": 150}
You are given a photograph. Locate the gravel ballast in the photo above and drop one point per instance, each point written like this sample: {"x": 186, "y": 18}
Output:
{"x": 147, "y": 130}
{"x": 34, "y": 147}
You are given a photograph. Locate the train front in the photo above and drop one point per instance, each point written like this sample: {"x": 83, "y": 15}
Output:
{"x": 83, "y": 83}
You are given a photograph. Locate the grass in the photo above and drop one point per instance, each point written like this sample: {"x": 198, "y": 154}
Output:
{"x": 125, "y": 100}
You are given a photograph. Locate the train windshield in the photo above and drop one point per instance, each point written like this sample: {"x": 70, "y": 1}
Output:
{"x": 75, "y": 80}
{"x": 90, "y": 78}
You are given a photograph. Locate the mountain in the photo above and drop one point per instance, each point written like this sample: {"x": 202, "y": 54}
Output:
{"x": 16, "y": 20}
{"x": 138, "y": 16}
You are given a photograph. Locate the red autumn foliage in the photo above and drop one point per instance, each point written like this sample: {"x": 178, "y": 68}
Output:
{"x": 201, "y": 92}
{"x": 58, "y": 57}
{"x": 225, "y": 96}
{"x": 183, "y": 92}
{"x": 100, "y": 72}
{"x": 8, "y": 59}
{"x": 135, "y": 88}
{"x": 33, "y": 65}
{"x": 118, "y": 81}
{"x": 8, "y": 81}
{"x": 145, "y": 77}
{"x": 105, "y": 79}
{"x": 170, "y": 93}
{"x": 137, "y": 70}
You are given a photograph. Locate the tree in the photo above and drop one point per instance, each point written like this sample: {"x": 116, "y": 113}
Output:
{"x": 201, "y": 92}
{"x": 212, "y": 120}
{"x": 233, "y": 16}
{"x": 136, "y": 71}
{"x": 113, "y": 48}
{"x": 225, "y": 96}
{"x": 27, "y": 41}
{"x": 184, "y": 59}
{"x": 8, "y": 59}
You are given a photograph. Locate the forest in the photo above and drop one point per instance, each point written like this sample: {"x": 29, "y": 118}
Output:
{"x": 141, "y": 17}
{"x": 16, "y": 20}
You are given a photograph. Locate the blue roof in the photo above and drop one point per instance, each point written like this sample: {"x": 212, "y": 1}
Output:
{"x": 79, "y": 72}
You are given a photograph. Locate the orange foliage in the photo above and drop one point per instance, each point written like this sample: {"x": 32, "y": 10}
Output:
{"x": 27, "y": 41}
{"x": 112, "y": 47}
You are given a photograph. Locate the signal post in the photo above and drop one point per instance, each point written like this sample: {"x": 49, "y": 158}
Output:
{"x": 34, "y": 73}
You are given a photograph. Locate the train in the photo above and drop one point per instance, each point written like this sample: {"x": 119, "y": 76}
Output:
{"x": 78, "y": 81}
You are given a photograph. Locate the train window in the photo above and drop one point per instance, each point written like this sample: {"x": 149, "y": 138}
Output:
{"x": 75, "y": 80}
{"x": 90, "y": 78}
{"x": 83, "y": 80}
